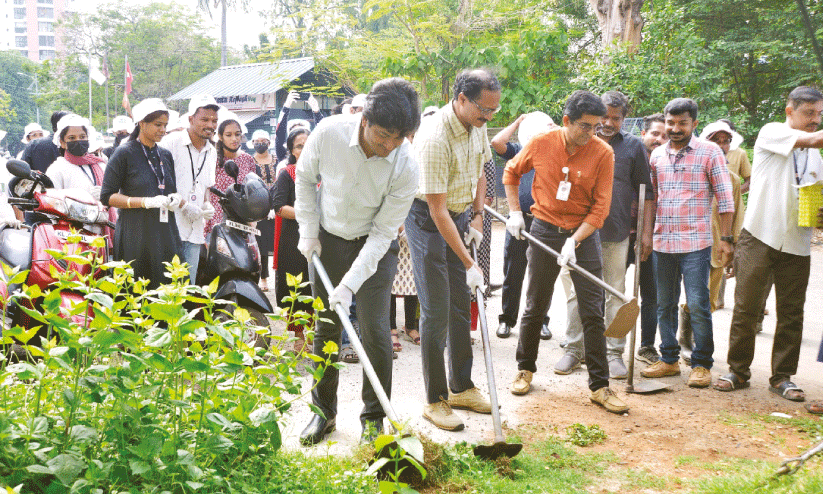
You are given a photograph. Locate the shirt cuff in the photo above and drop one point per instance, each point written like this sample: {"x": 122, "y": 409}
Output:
{"x": 310, "y": 230}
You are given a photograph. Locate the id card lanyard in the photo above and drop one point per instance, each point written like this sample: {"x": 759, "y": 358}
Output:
{"x": 194, "y": 181}
{"x": 798, "y": 176}
{"x": 564, "y": 187}
{"x": 161, "y": 179}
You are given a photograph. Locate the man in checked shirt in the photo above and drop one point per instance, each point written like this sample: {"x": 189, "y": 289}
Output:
{"x": 687, "y": 173}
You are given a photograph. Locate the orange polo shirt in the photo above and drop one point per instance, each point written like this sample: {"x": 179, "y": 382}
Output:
{"x": 591, "y": 173}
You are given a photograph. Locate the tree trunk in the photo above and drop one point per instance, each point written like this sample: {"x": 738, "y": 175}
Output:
{"x": 620, "y": 21}
{"x": 223, "y": 61}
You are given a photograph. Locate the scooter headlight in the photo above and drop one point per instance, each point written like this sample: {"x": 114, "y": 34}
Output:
{"x": 86, "y": 213}
{"x": 223, "y": 247}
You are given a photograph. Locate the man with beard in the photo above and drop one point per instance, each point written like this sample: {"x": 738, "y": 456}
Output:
{"x": 631, "y": 169}
{"x": 687, "y": 173}
{"x": 786, "y": 155}
{"x": 654, "y": 132}
{"x": 574, "y": 172}
{"x": 194, "y": 156}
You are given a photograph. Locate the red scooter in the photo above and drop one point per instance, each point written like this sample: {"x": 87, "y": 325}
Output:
{"x": 58, "y": 213}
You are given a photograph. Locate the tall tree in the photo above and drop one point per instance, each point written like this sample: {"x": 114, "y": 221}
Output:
{"x": 224, "y": 5}
{"x": 16, "y": 73}
{"x": 620, "y": 21}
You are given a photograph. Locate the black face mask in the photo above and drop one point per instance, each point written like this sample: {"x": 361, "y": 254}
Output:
{"x": 78, "y": 148}
{"x": 261, "y": 147}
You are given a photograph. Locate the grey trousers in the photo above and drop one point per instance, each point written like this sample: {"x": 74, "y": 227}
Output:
{"x": 337, "y": 256}
{"x": 445, "y": 315}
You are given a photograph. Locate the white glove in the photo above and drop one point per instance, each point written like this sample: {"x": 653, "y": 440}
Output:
{"x": 567, "y": 253}
{"x": 174, "y": 202}
{"x": 207, "y": 213}
{"x": 308, "y": 246}
{"x": 271, "y": 214}
{"x": 156, "y": 202}
{"x": 473, "y": 236}
{"x": 290, "y": 99}
{"x": 341, "y": 295}
{"x": 192, "y": 212}
{"x": 11, "y": 223}
{"x": 516, "y": 224}
{"x": 313, "y": 103}
{"x": 474, "y": 278}
{"x": 95, "y": 192}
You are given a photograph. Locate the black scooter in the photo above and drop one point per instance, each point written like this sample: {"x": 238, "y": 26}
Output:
{"x": 233, "y": 254}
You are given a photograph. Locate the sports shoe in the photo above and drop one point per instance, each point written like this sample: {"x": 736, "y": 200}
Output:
{"x": 617, "y": 369}
{"x": 440, "y": 414}
{"x": 567, "y": 364}
{"x": 606, "y": 398}
{"x": 700, "y": 377}
{"x": 522, "y": 382}
{"x": 471, "y": 399}
{"x": 661, "y": 369}
{"x": 648, "y": 354}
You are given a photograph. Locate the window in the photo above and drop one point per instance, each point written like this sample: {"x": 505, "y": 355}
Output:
{"x": 46, "y": 27}
{"x": 21, "y": 41}
{"x": 19, "y": 27}
{"x": 46, "y": 40}
{"x": 19, "y": 13}
{"x": 45, "y": 13}
{"x": 50, "y": 2}
{"x": 46, "y": 54}
{"x": 19, "y": 2}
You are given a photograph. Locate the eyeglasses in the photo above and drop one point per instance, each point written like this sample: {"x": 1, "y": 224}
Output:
{"x": 485, "y": 111}
{"x": 585, "y": 127}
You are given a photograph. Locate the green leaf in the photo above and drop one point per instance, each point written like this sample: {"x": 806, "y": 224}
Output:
{"x": 377, "y": 465}
{"x": 102, "y": 299}
{"x": 158, "y": 337}
{"x": 160, "y": 362}
{"x": 412, "y": 446}
{"x": 218, "y": 443}
{"x": 66, "y": 467}
{"x": 39, "y": 469}
{"x": 194, "y": 485}
{"x": 139, "y": 467}
{"x": 82, "y": 433}
{"x": 191, "y": 365}
{"x": 165, "y": 311}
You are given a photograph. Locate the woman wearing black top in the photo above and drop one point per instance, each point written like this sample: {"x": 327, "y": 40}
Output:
{"x": 139, "y": 180}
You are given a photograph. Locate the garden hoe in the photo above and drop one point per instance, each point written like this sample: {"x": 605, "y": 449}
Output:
{"x": 411, "y": 445}
{"x": 500, "y": 446}
{"x": 647, "y": 386}
{"x": 626, "y": 316}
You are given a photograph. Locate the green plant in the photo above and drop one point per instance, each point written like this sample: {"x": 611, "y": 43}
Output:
{"x": 396, "y": 454}
{"x": 136, "y": 390}
{"x": 585, "y": 435}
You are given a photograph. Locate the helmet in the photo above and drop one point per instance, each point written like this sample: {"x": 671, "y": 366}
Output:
{"x": 249, "y": 201}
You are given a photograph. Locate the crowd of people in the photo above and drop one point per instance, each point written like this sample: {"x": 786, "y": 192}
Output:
{"x": 392, "y": 200}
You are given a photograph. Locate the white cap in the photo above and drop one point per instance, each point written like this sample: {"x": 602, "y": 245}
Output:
{"x": 258, "y": 134}
{"x": 70, "y": 120}
{"x": 224, "y": 114}
{"x": 721, "y": 126}
{"x": 121, "y": 122}
{"x": 295, "y": 123}
{"x": 174, "y": 121}
{"x": 201, "y": 100}
{"x": 358, "y": 101}
{"x": 32, "y": 127}
{"x": 183, "y": 121}
{"x": 95, "y": 139}
{"x": 535, "y": 123}
{"x": 146, "y": 107}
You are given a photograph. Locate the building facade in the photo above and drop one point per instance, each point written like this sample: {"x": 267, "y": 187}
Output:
{"x": 30, "y": 27}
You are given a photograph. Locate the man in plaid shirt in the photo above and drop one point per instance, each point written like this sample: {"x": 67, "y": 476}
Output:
{"x": 687, "y": 173}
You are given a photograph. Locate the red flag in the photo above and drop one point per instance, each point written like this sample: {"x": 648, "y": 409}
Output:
{"x": 105, "y": 67}
{"x": 129, "y": 77}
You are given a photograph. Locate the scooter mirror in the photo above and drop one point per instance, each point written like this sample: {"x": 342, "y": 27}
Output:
{"x": 19, "y": 168}
{"x": 232, "y": 169}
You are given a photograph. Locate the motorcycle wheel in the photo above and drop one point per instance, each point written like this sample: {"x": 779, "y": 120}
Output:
{"x": 252, "y": 337}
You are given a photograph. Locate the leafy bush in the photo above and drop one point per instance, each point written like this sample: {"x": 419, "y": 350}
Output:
{"x": 148, "y": 395}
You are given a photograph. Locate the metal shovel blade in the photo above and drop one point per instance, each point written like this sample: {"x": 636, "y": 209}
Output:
{"x": 497, "y": 450}
{"x": 645, "y": 387}
{"x": 624, "y": 320}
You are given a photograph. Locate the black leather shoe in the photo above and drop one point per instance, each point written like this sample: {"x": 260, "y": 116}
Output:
{"x": 504, "y": 330}
{"x": 371, "y": 429}
{"x": 317, "y": 429}
{"x": 545, "y": 332}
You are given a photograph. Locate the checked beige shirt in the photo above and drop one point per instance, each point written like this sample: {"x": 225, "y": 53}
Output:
{"x": 450, "y": 158}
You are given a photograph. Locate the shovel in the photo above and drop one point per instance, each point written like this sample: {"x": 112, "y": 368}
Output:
{"x": 648, "y": 386}
{"x": 500, "y": 446}
{"x": 626, "y": 316}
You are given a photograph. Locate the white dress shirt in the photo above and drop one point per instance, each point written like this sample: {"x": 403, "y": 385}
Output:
{"x": 771, "y": 213}
{"x": 194, "y": 173}
{"x": 358, "y": 196}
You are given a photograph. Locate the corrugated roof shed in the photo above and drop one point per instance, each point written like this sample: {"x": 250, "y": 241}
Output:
{"x": 253, "y": 78}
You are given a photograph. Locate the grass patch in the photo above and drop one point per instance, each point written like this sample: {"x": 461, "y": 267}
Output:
{"x": 585, "y": 435}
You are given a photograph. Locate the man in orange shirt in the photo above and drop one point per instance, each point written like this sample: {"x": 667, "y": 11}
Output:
{"x": 572, "y": 189}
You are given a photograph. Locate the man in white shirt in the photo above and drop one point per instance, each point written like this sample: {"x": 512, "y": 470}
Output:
{"x": 786, "y": 155}
{"x": 367, "y": 180}
{"x": 195, "y": 160}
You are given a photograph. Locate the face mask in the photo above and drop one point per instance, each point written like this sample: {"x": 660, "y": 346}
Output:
{"x": 261, "y": 147}
{"x": 78, "y": 148}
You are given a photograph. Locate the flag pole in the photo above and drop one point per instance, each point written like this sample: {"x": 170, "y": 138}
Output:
{"x": 89, "y": 87}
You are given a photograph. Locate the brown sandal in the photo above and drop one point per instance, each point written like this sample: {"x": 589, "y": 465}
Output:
{"x": 395, "y": 341}
{"x": 815, "y": 407}
{"x": 414, "y": 337}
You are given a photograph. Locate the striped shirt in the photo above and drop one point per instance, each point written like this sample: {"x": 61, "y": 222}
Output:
{"x": 450, "y": 158}
{"x": 685, "y": 182}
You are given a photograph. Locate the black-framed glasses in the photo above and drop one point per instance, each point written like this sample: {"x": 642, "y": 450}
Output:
{"x": 586, "y": 127}
{"x": 485, "y": 111}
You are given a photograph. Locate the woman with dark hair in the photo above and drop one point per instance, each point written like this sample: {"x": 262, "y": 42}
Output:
{"x": 289, "y": 259}
{"x": 229, "y": 137}
{"x": 266, "y": 167}
{"x": 139, "y": 181}
{"x": 75, "y": 168}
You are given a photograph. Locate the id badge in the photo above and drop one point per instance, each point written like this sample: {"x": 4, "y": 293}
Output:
{"x": 164, "y": 215}
{"x": 563, "y": 190}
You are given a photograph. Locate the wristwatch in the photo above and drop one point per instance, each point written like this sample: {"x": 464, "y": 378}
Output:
{"x": 729, "y": 239}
